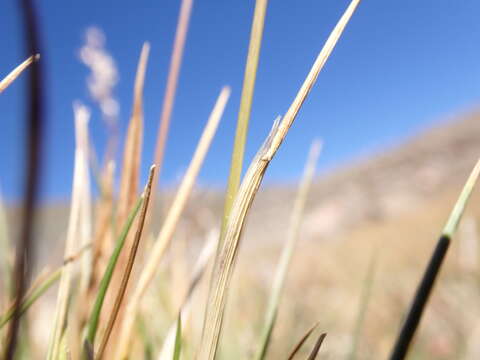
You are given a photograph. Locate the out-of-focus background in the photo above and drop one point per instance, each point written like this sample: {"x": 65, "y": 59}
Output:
{"x": 397, "y": 108}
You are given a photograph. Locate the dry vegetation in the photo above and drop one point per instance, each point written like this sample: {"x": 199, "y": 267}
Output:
{"x": 343, "y": 254}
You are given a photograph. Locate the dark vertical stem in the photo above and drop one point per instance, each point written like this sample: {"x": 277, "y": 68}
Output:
{"x": 417, "y": 307}
{"x": 32, "y": 170}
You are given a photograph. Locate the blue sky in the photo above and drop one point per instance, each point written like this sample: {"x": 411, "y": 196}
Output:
{"x": 400, "y": 66}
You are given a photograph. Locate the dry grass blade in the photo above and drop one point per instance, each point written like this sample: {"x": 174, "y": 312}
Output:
{"x": 292, "y": 238}
{"x": 245, "y": 108}
{"x": 128, "y": 270}
{"x": 198, "y": 271}
{"x": 107, "y": 277}
{"x": 10, "y": 78}
{"x": 175, "y": 63}
{"x": 364, "y": 301}
{"x": 425, "y": 287}
{"x": 316, "y": 348}
{"x": 250, "y": 184}
{"x": 82, "y": 116}
{"x": 72, "y": 235}
{"x": 170, "y": 223}
{"x": 301, "y": 342}
{"x": 133, "y": 143}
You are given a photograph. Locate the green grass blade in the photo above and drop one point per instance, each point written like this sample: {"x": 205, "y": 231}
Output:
{"x": 33, "y": 297}
{"x": 292, "y": 238}
{"x": 107, "y": 277}
{"x": 459, "y": 208}
{"x": 245, "y": 109}
{"x": 178, "y": 338}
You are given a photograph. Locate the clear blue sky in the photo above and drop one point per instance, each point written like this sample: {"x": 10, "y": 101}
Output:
{"x": 400, "y": 66}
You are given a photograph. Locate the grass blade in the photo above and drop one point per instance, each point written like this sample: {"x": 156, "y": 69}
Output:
{"x": 178, "y": 339}
{"x": 425, "y": 287}
{"x": 36, "y": 293}
{"x": 285, "y": 259}
{"x": 170, "y": 223}
{"x": 173, "y": 74}
{"x": 10, "y": 78}
{"x": 74, "y": 221}
{"x": 199, "y": 270}
{"x": 245, "y": 109}
{"x": 32, "y": 171}
{"x": 299, "y": 345}
{"x": 316, "y": 348}
{"x": 128, "y": 270}
{"x": 224, "y": 266}
{"x": 95, "y": 314}
{"x": 38, "y": 288}
{"x": 364, "y": 301}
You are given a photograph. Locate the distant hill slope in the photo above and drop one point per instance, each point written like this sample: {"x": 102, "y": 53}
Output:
{"x": 368, "y": 190}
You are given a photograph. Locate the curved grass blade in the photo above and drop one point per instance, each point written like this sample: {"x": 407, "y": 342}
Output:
{"x": 10, "y": 78}
{"x": 105, "y": 282}
{"x": 223, "y": 268}
{"x": 301, "y": 342}
{"x": 36, "y": 293}
{"x": 128, "y": 270}
{"x": 39, "y": 287}
{"x": 316, "y": 348}
{"x": 285, "y": 259}
{"x": 425, "y": 287}
{"x": 178, "y": 339}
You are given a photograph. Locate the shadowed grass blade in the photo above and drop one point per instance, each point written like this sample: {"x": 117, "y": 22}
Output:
{"x": 425, "y": 287}
{"x": 316, "y": 348}
{"x": 285, "y": 259}
{"x": 301, "y": 342}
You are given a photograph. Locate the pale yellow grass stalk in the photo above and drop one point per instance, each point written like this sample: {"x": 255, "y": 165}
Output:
{"x": 72, "y": 237}
{"x": 175, "y": 63}
{"x": 249, "y": 187}
{"x": 170, "y": 223}
{"x": 206, "y": 254}
{"x": 133, "y": 144}
{"x": 10, "y": 78}
{"x": 82, "y": 114}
